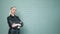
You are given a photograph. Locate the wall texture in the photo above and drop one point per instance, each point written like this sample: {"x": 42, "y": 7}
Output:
{"x": 38, "y": 16}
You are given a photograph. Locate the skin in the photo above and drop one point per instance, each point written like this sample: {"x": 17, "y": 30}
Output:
{"x": 13, "y": 11}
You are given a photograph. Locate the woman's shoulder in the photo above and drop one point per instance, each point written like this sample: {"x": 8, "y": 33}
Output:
{"x": 16, "y": 16}
{"x": 8, "y": 17}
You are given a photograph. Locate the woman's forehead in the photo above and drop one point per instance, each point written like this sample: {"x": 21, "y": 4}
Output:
{"x": 14, "y": 8}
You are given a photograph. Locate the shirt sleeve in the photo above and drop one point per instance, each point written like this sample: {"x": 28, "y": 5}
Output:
{"x": 20, "y": 22}
{"x": 9, "y": 22}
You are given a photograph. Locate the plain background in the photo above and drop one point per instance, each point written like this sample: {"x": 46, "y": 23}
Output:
{"x": 38, "y": 16}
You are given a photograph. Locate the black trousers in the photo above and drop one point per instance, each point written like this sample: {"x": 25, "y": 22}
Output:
{"x": 14, "y": 31}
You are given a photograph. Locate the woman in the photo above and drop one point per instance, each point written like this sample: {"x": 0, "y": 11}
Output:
{"x": 14, "y": 22}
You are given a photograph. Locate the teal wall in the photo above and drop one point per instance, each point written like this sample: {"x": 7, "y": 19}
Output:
{"x": 38, "y": 16}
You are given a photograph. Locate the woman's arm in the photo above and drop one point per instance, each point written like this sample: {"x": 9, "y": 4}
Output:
{"x": 10, "y": 23}
{"x": 20, "y": 22}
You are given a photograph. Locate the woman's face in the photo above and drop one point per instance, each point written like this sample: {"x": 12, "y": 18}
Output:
{"x": 13, "y": 10}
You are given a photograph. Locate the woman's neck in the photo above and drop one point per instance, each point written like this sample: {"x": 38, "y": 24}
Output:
{"x": 12, "y": 14}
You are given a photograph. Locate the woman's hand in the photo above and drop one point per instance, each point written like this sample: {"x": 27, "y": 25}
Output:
{"x": 18, "y": 24}
{"x": 14, "y": 25}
